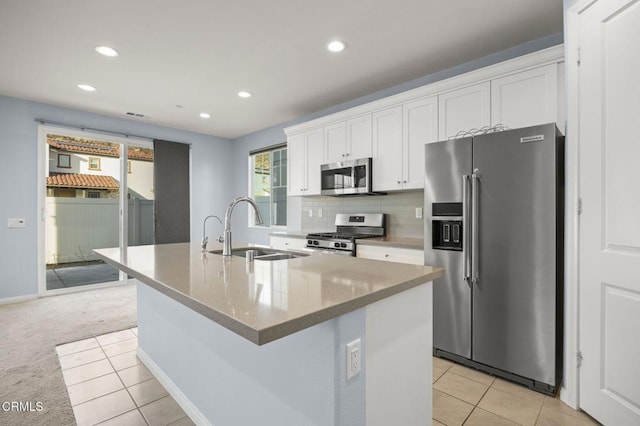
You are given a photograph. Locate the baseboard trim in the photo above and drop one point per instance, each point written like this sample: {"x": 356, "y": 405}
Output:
{"x": 17, "y": 299}
{"x": 194, "y": 414}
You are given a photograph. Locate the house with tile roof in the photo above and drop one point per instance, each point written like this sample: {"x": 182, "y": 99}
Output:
{"x": 85, "y": 168}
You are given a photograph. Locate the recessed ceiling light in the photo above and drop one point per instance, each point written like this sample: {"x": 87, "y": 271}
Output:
{"x": 244, "y": 94}
{"x": 86, "y": 87}
{"x": 205, "y": 115}
{"x": 336, "y": 46}
{"x": 107, "y": 51}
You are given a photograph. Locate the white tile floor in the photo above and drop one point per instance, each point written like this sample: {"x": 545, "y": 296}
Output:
{"x": 463, "y": 396}
{"x": 107, "y": 384}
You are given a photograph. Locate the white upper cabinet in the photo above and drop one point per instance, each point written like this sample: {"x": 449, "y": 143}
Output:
{"x": 519, "y": 92}
{"x": 387, "y": 149}
{"x": 527, "y": 98}
{"x": 420, "y": 126}
{"x": 359, "y": 137}
{"x": 464, "y": 109}
{"x": 399, "y": 135}
{"x": 348, "y": 140}
{"x": 296, "y": 165}
{"x": 335, "y": 141}
{"x": 304, "y": 156}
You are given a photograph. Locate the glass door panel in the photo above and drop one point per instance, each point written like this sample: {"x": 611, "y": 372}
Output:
{"x": 140, "y": 196}
{"x": 82, "y": 209}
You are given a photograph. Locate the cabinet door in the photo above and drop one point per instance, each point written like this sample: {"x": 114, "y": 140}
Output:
{"x": 287, "y": 243}
{"x": 463, "y": 110}
{"x": 387, "y": 149}
{"x": 359, "y": 137}
{"x": 314, "y": 148}
{"x": 335, "y": 140}
{"x": 296, "y": 165}
{"x": 420, "y": 126}
{"x": 525, "y": 99}
{"x": 391, "y": 254}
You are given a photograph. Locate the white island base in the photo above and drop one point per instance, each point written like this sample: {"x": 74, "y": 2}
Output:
{"x": 220, "y": 378}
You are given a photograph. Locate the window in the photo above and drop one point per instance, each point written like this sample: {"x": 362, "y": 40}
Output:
{"x": 94, "y": 163}
{"x": 64, "y": 161}
{"x": 93, "y": 194}
{"x": 268, "y": 185}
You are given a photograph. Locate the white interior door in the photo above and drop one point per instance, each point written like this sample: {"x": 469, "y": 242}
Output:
{"x": 609, "y": 108}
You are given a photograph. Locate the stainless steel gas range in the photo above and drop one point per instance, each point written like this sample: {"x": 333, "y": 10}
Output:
{"x": 349, "y": 227}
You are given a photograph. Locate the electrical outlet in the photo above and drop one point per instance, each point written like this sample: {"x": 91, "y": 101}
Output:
{"x": 354, "y": 358}
{"x": 320, "y": 212}
{"x": 418, "y": 212}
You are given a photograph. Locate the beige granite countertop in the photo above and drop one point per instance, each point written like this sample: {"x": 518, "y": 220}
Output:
{"x": 265, "y": 301}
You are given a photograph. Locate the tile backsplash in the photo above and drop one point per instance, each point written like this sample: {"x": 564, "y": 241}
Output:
{"x": 400, "y": 208}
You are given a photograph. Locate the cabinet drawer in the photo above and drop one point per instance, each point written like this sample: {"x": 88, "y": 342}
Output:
{"x": 391, "y": 254}
{"x": 287, "y": 243}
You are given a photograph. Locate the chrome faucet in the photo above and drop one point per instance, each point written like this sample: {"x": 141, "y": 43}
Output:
{"x": 226, "y": 250}
{"x": 205, "y": 239}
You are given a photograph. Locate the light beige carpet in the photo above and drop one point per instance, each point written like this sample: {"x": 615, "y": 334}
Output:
{"x": 29, "y": 333}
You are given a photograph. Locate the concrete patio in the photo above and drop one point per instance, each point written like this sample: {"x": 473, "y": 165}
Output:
{"x": 74, "y": 276}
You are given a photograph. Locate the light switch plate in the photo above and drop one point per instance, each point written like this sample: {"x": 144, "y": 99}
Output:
{"x": 418, "y": 212}
{"x": 320, "y": 212}
{"x": 16, "y": 222}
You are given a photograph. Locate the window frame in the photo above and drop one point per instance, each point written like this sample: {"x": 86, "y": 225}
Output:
{"x": 98, "y": 168}
{"x": 68, "y": 157}
{"x": 251, "y": 169}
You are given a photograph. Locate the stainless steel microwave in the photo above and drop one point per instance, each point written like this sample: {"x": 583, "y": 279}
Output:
{"x": 351, "y": 177}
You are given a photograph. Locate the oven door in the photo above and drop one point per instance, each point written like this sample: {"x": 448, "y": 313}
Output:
{"x": 336, "y": 252}
{"x": 346, "y": 177}
{"x": 327, "y": 250}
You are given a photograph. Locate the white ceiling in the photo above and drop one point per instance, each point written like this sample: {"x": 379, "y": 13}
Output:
{"x": 200, "y": 53}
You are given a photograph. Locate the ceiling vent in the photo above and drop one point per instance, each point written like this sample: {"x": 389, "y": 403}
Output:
{"x": 138, "y": 115}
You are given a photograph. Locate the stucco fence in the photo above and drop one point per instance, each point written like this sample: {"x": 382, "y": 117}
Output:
{"x": 75, "y": 226}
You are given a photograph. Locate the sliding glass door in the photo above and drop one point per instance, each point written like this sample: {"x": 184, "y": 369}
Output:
{"x": 96, "y": 192}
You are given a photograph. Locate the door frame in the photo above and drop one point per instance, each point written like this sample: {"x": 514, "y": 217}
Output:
{"x": 124, "y": 142}
{"x": 570, "y": 391}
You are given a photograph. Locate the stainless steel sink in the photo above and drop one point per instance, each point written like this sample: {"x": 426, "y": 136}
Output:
{"x": 261, "y": 253}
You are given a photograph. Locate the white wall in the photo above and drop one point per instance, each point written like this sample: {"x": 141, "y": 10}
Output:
{"x": 210, "y": 169}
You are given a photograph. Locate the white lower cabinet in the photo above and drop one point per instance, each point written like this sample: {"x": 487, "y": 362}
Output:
{"x": 287, "y": 243}
{"x": 391, "y": 254}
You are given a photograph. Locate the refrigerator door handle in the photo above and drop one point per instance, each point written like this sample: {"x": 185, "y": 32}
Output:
{"x": 465, "y": 228}
{"x": 475, "y": 187}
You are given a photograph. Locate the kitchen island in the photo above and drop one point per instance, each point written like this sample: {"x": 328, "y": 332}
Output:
{"x": 265, "y": 342}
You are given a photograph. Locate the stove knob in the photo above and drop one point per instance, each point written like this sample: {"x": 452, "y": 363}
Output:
{"x": 310, "y": 242}
{"x": 336, "y": 245}
{"x": 315, "y": 243}
{"x": 343, "y": 245}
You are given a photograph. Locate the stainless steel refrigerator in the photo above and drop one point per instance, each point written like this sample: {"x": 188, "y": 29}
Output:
{"x": 494, "y": 220}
